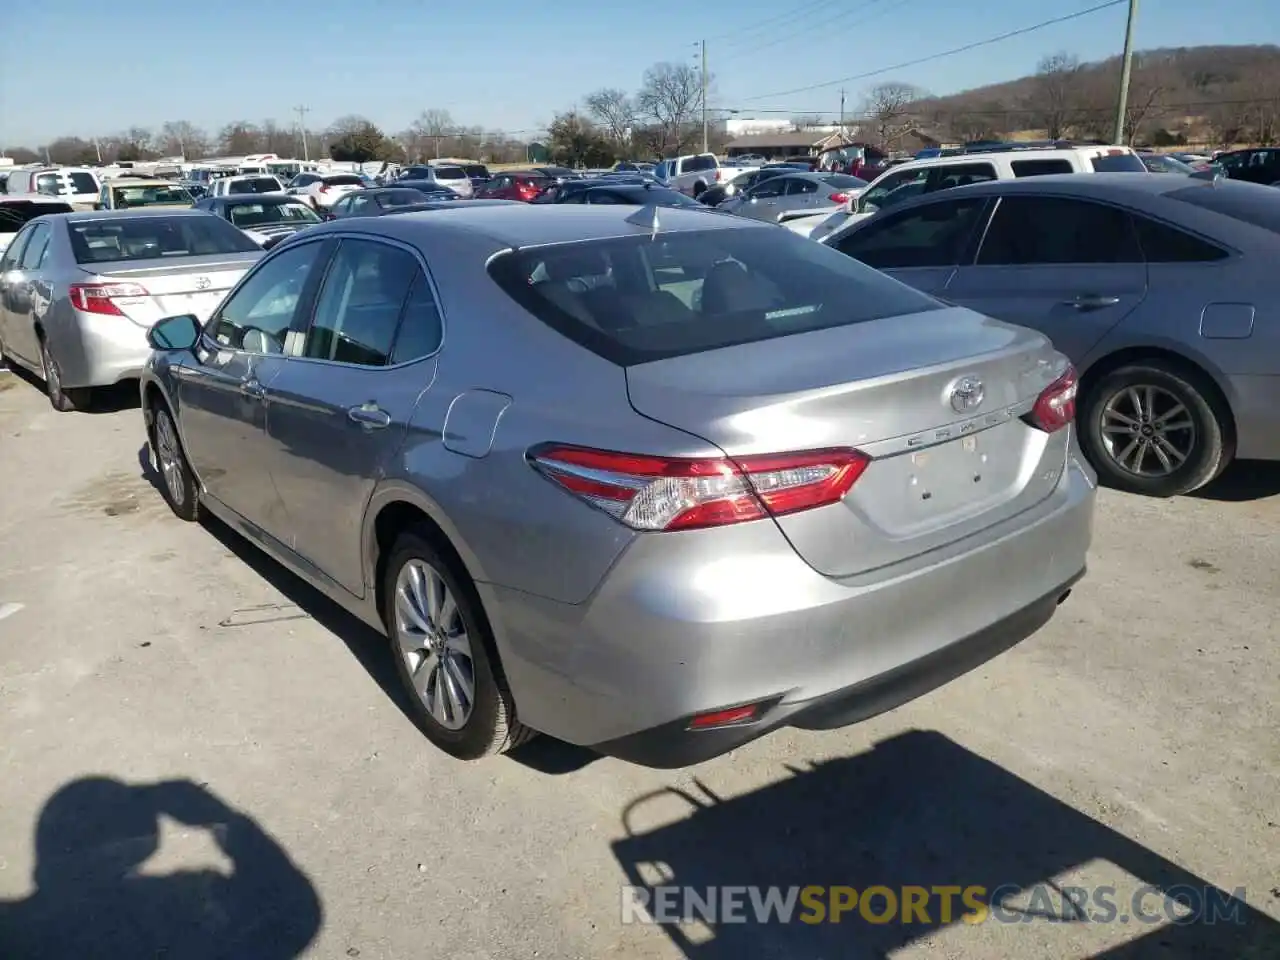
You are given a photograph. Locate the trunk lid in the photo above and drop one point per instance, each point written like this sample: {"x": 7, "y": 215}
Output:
{"x": 940, "y": 472}
{"x": 174, "y": 285}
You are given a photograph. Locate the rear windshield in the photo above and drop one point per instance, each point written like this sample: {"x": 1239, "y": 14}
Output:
{"x": 82, "y": 183}
{"x": 250, "y": 215}
{"x": 149, "y": 196}
{"x": 255, "y": 185}
{"x": 1118, "y": 163}
{"x": 476, "y": 170}
{"x": 450, "y": 173}
{"x": 637, "y": 299}
{"x": 844, "y": 181}
{"x": 344, "y": 180}
{"x": 150, "y": 238}
{"x": 15, "y": 213}
{"x": 1250, "y": 203}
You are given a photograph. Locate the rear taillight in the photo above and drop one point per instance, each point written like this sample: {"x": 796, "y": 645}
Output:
{"x": 676, "y": 493}
{"x": 98, "y": 297}
{"x": 325, "y": 189}
{"x": 1056, "y": 405}
{"x": 719, "y": 176}
{"x": 839, "y": 198}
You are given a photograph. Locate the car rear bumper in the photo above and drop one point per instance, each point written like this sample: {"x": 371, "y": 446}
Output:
{"x": 1256, "y": 409}
{"x": 97, "y": 351}
{"x": 675, "y": 630}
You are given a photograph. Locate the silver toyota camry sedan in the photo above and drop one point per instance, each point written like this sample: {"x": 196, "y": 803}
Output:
{"x": 78, "y": 291}
{"x": 651, "y": 481}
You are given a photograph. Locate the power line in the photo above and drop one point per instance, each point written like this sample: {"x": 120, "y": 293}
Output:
{"x": 1156, "y": 107}
{"x": 946, "y": 53}
{"x": 776, "y": 18}
{"x": 827, "y": 22}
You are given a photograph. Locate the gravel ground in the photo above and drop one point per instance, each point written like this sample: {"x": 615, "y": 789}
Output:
{"x": 199, "y": 750}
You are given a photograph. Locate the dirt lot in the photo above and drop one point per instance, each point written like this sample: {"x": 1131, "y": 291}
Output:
{"x": 193, "y": 741}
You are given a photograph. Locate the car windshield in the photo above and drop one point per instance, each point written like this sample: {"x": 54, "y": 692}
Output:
{"x": 1118, "y": 163}
{"x": 642, "y": 298}
{"x": 250, "y": 215}
{"x": 150, "y": 196}
{"x": 150, "y": 238}
{"x": 450, "y": 173}
{"x": 1250, "y": 203}
{"x": 1160, "y": 163}
{"x": 15, "y": 213}
{"x": 255, "y": 185}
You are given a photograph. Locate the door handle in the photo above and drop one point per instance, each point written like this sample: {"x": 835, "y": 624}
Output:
{"x": 252, "y": 388}
{"x": 1092, "y": 301}
{"x": 369, "y": 415}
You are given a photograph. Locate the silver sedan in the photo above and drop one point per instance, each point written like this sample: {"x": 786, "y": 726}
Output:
{"x": 652, "y": 481}
{"x": 78, "y": 291}
{"x": 1161, "y": 290}
{"x": 794, "y": 195}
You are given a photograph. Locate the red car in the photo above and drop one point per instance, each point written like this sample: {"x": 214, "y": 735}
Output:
{"x": 521, "y": 185}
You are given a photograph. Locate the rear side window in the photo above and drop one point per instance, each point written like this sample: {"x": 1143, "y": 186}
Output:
{"x": 83, "y": 183}
{"x": 47, "y": 183}
{"x": 1249, "y": 203}
{"x": 1058, "y": 230}
{"x": 934, "y": 235}
{"x": 150, "y": 238}
{"x": 959, "y": 175}
{"x": 1165, "y": 244}
{"x": 1041, "y": 168}
{"x": 358, "y": 308}
{"x": 420, "y": 330}
{"x": 344, "y": 180}
{"x": 636, "y": 299}
{"x": 450, "y": 173}
{"x": 1118, "y": 163}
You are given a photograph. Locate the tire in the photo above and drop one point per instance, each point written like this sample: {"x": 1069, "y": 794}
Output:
{"x": 487, "y": 723}
{"x": 177, "y": 481}
{"x": 62, "y": 399}
{"x": 1127, "y": 455}
{"x": 698, "y": 190}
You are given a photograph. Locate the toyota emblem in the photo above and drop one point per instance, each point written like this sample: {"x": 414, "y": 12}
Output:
{"x": 967, "y": 394}
{"x": 203, "y": 283}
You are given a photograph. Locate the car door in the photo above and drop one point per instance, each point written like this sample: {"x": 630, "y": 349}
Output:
{"x": 921, "y": 246}
{"x": 1068, "y": 267}
{"x": 20, "y": 296}
{"x": 761, "y": 201}
{"x": 222, "y": 388}
{"x": 801, "y": 196}
{"x": 338, "y": 414}
{"x": 10, "y": 271}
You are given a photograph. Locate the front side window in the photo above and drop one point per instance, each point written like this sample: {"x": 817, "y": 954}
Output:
{"x": 47, "y": 184}
{"x": 959, "y": 175}
{"x": 797, "y": 187}
{"x": 257, "y": 316}
{"x": 1058, "y": 230}
{"x": 933, "y": 235}
{"x": 636, "y": 299}
{"x": 892, "y": 188}
{"x": 358, "y": 308}
{"x": 773, "y": 187}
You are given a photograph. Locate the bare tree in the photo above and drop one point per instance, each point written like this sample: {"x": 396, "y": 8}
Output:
{"x": 282, "y": 141}
{"x": 428, "y": 134}
{"x": 668, "y": 100}
{"x": 180, "y": 138}
{"x": 614, "y": 111}
{"x": 70, "y": 150}
{"x": 238, "y": 138}
{"x": 1055, "y": 98}
{"x": 887, "y": 109}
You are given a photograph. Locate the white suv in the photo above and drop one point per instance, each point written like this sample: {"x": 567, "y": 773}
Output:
{"x": 77, "y": 186}
{"x": 989, "y": 163}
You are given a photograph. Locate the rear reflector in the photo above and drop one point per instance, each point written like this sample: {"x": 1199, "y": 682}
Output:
{"x": 675, "y": 493}
{"x": 97, "y": 297}
{"x": 725, "y": 718}
{"x": 1056, "y": 405}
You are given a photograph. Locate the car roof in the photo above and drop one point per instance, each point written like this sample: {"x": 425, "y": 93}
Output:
{"x": 233, "y": 199}
{"x": 142, "y": 182}
{"x": 524, "y": 225}
{"x": 1088, "y": 184}
{"x": 30, "y": 198}
{"x": 82, "y": 215}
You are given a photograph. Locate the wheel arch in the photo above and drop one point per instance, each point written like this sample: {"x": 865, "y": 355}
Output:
{"x": 1201, "y": 369}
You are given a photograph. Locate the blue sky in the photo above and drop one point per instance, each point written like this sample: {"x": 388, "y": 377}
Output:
{"x": 512, "y": 66}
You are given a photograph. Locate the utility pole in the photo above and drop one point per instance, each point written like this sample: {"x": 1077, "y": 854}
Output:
{"x": 1126, "y": 66}
{"x": 842, "y": 109}
{"x": 705, "y": 138}
{"x": 302, "y": 129}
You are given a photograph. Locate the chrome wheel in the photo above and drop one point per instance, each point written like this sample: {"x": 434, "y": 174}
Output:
{"x": 52, "y": 375}
{"x": 433, "y": 641}
{"x": 1147, "y": 431}
{"x": 169, "y": 459}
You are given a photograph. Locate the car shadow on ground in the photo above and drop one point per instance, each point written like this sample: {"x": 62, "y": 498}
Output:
{"x": 96, "y": 894}
{"x": 368, "y": 646}
{"x": 919, "y": 810}
{"x": 113, "y": 399}
{"x": 1243, "y": 480}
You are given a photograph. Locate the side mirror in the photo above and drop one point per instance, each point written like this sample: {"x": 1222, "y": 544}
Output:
{"x": 175, "y": 333}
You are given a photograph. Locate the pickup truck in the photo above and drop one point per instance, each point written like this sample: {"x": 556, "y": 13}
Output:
{"x": 694, "y": 173}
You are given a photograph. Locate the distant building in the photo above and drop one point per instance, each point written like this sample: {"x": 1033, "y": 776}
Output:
{"x": 792, "y": 143}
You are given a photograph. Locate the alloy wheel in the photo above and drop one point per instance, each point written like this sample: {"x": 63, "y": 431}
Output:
{"x": 169, "y": 457}
{"x": 1147, "y": 431}
{"x": 432, "y": 638}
